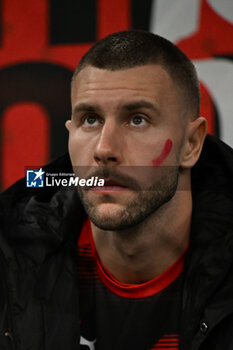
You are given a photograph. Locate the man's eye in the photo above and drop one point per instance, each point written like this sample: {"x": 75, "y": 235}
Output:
{"x": 137, "y": 120}
{"x": 90, "y": 120}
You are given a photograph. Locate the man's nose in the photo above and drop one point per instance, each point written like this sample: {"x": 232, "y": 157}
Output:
{"x": 109, "y": 145}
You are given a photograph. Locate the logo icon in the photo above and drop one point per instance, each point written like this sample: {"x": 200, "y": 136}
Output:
{"x": 35, "y": 178}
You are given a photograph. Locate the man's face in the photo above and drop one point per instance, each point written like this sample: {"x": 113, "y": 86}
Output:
{"x": 125, "y": 127}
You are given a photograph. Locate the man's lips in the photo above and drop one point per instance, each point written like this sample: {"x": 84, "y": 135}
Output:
{"x": 110, "y": 186}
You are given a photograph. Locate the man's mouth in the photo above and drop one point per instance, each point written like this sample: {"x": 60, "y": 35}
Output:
{"x": 110, "y": 186}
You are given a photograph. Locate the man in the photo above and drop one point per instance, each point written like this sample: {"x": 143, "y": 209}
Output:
{"x": 144, "y": 262}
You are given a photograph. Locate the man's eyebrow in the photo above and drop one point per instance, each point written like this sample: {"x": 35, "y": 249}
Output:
{"x": 84, "y": 107}
{"x": 130, "y": 106}
{"x": 140, "y": 104}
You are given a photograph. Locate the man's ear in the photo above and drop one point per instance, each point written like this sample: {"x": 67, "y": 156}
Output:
{"x": 68, "y": 125}
{"x": 194, "y": 139}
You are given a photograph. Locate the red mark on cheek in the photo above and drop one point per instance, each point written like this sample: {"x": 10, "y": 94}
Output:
{"x": 165, "y": 152}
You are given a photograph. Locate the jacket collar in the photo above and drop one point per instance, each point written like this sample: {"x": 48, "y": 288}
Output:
{"x": 37, "y": 222}
{"x": 209, "y": 261}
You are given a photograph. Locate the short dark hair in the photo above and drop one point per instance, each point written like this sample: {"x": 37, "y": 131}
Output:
{"x": 132, "y": 48}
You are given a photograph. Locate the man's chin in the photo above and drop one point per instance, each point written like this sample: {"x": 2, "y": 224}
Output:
{"x": 114, "y": 213}
{"x": 107, "y": 216}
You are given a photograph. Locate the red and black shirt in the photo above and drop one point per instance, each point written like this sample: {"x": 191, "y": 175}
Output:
{"x": 115, "y": 315}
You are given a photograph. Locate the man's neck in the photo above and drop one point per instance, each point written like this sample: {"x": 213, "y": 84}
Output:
{"x": 139, "y": 254}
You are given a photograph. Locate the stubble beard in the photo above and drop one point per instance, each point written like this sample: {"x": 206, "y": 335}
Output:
{"x": 145, "y": 203}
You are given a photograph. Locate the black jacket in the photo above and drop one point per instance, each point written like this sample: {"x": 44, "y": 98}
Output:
{"x": 38, "y": 261}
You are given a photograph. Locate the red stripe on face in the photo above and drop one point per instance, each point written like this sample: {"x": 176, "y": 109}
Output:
{"x": 165, "y": 152}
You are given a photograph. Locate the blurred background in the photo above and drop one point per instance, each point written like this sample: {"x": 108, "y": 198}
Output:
{"x": 41, "y": 42}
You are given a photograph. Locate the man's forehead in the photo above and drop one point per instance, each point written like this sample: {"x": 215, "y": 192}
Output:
{"x": 138, "y": 78}
{"x": 147, "y": 87}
